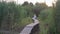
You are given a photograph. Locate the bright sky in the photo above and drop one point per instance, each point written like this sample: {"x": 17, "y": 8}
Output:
{"x": 48, "y": 2}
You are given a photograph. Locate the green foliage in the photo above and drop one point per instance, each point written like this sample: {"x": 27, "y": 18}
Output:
{"x": 44, "y": 14}
{"x": 2, "y": 7}
{"x": 29, "y": 10}
{"x": 14, "y": 17}
{"x": 57, "y": 17}
{"x": 25, "y": 3}
{"x": 39, "y": 7}
{"x": 22, "y": 23}
{"x": 47, "y": 25}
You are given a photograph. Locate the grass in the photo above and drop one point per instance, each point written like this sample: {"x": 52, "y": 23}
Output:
{"x": 45, "y": 18}
{"x": 17, "y": 27}
{"x": 46, "y": 21}
{"x": 25, "y": 21}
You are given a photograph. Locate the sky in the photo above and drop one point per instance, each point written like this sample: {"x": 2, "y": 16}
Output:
{"x": 48, "y": 2}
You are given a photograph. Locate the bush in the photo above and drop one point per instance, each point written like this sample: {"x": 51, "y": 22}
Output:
{"x": 47, "y": 25}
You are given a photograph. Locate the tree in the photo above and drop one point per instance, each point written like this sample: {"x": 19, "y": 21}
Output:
{"x": 25, "y": 3}
{"x": 39, "y": 7}
{"x": 42, "y": 5}
{"x": 31, "y": 4}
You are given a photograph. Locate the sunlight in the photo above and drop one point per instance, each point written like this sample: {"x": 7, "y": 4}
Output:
{"x": 49, "y": 2}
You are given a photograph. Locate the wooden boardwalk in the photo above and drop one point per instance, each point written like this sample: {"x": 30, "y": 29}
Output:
{"x": 31, "y": 28}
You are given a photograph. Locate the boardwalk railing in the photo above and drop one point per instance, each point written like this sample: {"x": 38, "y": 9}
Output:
{"x": 32, "y": 28}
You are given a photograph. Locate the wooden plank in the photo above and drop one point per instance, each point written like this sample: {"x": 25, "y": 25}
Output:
{"x": 29, "y": 27}
{"x": 26, "y": 30}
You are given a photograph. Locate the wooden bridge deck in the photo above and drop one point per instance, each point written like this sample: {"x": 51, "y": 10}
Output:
{"x": 30, "y": 27}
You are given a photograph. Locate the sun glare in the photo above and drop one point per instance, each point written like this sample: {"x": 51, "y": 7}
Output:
{"x": 49, "y": 2}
